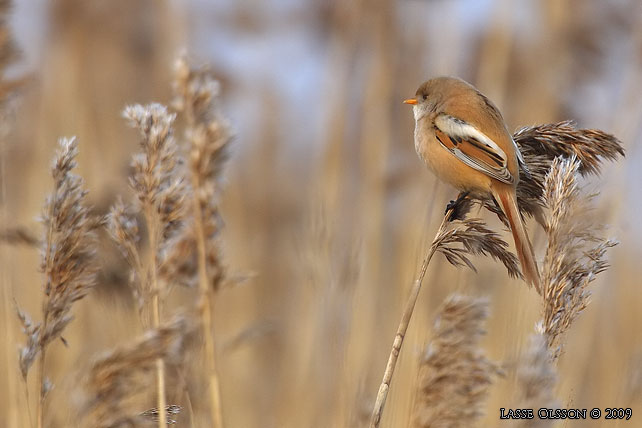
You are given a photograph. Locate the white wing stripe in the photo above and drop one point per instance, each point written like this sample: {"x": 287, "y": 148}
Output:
{"x": 460, "y": 130}
{"x": 456, "y": 127}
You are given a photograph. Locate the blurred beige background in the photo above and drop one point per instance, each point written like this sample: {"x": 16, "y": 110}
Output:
{"x": 327, "y": 207}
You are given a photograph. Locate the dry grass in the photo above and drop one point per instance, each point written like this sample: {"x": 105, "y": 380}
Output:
{"x": 68, "y": 265}
{"x": 116, "y": 379}
{"x": 160, "y": 193}
{"x": 326, "y": 203}
{"x": 575, "y": 253}
{"x": 475, "y": 239}
{"x": 183, "y": 242}
{"x": 208, "y": 136}
{"x": 455, "y": 376}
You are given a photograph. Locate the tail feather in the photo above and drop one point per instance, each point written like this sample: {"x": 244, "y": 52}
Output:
{"x": 508, "y": 204}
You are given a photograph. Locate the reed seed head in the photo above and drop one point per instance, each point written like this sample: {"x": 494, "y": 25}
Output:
{"x": 67, "y": 255}
{"x": 116, "y": 377}
{"x": 575, "y": 254}
{"x": 455, "y": 375}
{"x": 541, "y": 145}
{"x": 472, "y": 237}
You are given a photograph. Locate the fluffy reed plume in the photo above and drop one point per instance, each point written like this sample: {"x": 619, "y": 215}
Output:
{"x": 475, "y": 238}
{"x": 590, "y": 146}
{"x": 208, "y": 136}
{"x": 158, "y": 185}
{"x": 455, "y": 375}
{"x": 117, "y": 379}
{"x": 67, "y": 263}
{"x": 156, "y": 180}
{"x": 536, "y": 379}
{"x": 159, "y": 188}
{"x": 574, "y": 255}
{"x": 542, "y": 144}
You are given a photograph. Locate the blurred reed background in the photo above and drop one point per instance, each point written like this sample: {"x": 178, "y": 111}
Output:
{"x": 327, "y": 208}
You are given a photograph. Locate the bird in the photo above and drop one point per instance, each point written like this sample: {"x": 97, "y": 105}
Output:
{"x": 463, "y": 139}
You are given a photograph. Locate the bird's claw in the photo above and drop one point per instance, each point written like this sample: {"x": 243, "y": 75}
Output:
{"x": 452, "y": 205}
{"x": 457, "y": 208}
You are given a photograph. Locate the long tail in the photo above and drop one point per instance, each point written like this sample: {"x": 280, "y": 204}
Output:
{"x": 508, "y": 203}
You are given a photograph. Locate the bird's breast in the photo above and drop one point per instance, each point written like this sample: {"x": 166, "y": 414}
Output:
{"x": 445, "y": 165}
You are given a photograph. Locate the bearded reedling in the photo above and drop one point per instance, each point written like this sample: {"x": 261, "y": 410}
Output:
{"x": 463, "y": 139}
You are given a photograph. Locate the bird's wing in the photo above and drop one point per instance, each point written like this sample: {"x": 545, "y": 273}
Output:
{"x": 473, "y": 147}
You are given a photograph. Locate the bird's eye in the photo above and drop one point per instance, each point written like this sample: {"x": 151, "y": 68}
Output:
{"x": 425, "y": 96}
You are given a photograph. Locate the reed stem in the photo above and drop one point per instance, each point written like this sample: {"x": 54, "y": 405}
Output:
{"x": 161, "y": 401}
{"x": 403, "y": 328}
{"x": 205, "y": 306}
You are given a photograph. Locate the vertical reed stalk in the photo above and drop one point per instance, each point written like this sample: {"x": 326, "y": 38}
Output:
{"x": 161, "y": 401}
{"x": 208, "y": 136}
{"x": 403, "y": 327}
{"x": 26, "y": 389}
{"x": 159, "y": 187}
{"x": 41, "y": 378}
{"x": 43, "y": 349}
{"x": 206, "y": 301}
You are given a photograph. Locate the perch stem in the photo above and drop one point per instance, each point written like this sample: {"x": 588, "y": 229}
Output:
{"x": 403, "y": 327}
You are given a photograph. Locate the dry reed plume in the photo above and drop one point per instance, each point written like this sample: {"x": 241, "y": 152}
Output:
{"x": 160, "y": 192}
{"x": 574, "y": 257}
{"x": 541, "y": 145}
{"x": 475, "y": 238}
{"x": 208, "y": 136}
{"x": 455, "y": 375}
{"x": 180, "y": 204}
{"x": 67, "y": 262}
{"x": 116, "y": 380}
{"x": 574, "y": 254}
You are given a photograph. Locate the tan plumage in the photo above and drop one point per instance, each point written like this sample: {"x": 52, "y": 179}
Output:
{"x": 463, "y": 139}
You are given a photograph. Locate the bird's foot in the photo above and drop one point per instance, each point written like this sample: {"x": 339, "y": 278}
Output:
{"x": 457, "y": 209}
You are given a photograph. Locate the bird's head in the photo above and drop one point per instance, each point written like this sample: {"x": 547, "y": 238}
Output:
{"x": 432, "y": 93}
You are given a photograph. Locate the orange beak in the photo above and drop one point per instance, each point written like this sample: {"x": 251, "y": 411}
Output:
{"x": 412, "y": 101}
